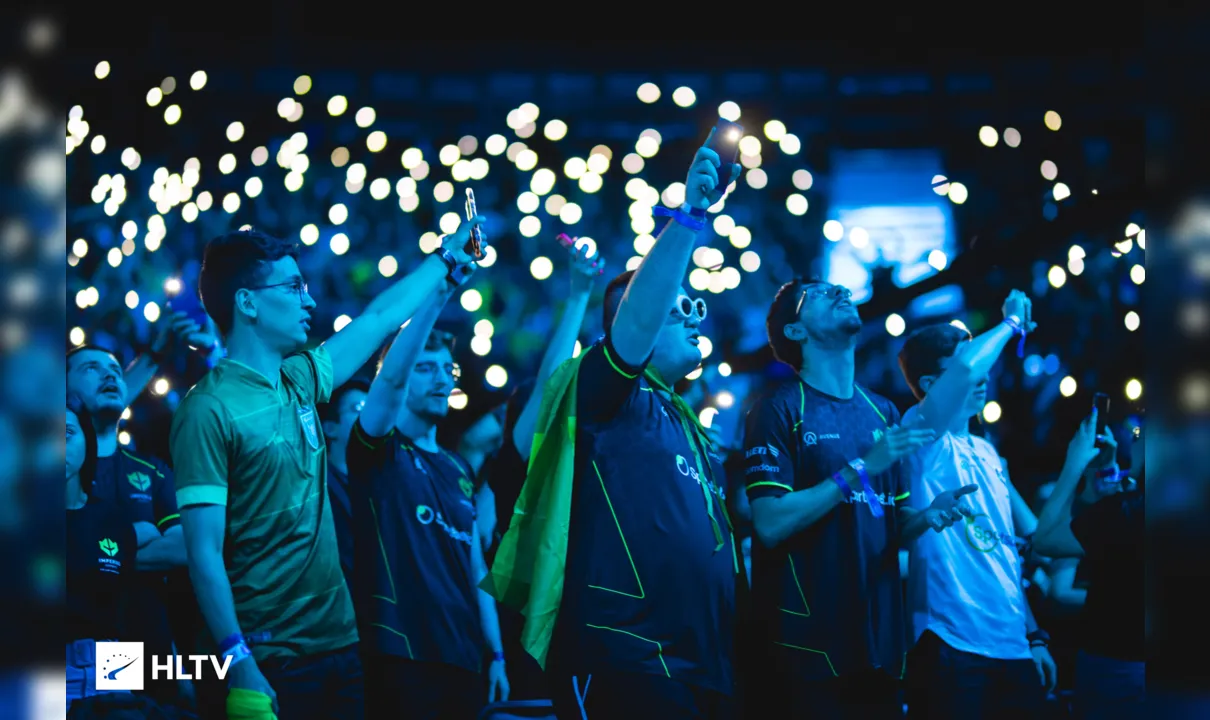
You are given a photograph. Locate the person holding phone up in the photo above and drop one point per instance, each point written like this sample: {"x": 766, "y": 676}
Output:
{"x": 977, "y": 650}
{"x": 251, "y": 480}
{"x": 645, "y": 623}
{"x": 1109, "y": 538}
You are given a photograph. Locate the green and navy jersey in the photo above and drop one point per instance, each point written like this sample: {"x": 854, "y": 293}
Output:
{"x": 649, "y": 585}
{"x": 832, "y": 591}
{"x": 413, "y": 527}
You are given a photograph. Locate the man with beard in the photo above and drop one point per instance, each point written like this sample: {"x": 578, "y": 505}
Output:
{"x": 422, "y": 616}
{"x": 620, "y": 553}
{"x": 829, "y": 513}
{"x": 142, "y": 488}
{"x": 252, "y": 481}
{"x": 977, "y": 651}
{"x": 338, "y": 417}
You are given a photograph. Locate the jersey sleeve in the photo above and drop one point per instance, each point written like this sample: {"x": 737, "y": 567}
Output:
{"x": 200, "y": 443}
{"x": 310, "y": 370}
{"x": 163, "y": 499}
{"x": 606, "y": 382}
{"x": 363, "y": 451}
{"x": 768, "y": 465}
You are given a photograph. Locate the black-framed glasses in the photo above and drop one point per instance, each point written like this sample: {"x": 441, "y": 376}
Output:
{"x": 817, "y": 291}
{"x": 687, "y": 307}
{"x": 298, "y": 287}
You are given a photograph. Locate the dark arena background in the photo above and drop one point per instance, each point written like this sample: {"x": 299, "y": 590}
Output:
{"x": 930, "y": 183}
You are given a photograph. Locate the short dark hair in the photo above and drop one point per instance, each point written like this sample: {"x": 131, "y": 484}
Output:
{"x": 233, "y": 261}
{"x": 95, "y": 348}
{"x": 924, "y": 350}
{"x": 436, "y": 340}
{"x": 614, "y": 292}
{"x": 329, "y": 411}
{"x": 782, "y": 312}
{"x": 88, "y": 469}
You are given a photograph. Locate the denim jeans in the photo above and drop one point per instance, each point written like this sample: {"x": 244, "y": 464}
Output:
{"x": 1108, "y": 688}
{"x": 328, "y": 686}
{"x": 948, "y": 684}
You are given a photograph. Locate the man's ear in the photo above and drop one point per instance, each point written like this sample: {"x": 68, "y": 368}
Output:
{"x": 245, "y": 302}
{"x": 926, "y": 382}
{"x": 795, "y": 331}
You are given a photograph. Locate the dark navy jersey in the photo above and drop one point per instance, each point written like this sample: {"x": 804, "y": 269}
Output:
{"x": 144, "y": 490}
{"x": 647, "y": 588}
{"x": 413, "y": 525}
{"x": 342, "y": 518}
{"x": 100, "y": 572}
{"x": 832, "y": 591}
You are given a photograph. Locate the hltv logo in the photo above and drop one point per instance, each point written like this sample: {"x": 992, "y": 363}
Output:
{"x": 120, "y": 666}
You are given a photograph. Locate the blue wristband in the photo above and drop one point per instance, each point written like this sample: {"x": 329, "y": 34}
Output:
{"x": 682, "y": 218}
{"x": 844, "y": 486}
{"x": 871, "y": 497}
{"x": 1019, "y": 331}
{"x": 497, "y": 657}
{"x": 231, "y": 641}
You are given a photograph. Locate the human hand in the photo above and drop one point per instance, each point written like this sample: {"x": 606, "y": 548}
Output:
{"x": 456, "y": 241}
{"x": 701, "y": 185}
{"x": 1019, "y": 304}
{"x": 584, "y": 270}
{"x": 178, "y": 331}
{"x": 498, "y": 689}
{"x": 896, "y": 443}
{"x": 1048, "y": 672}
{"x": 247, "y": 675}
{"x": 947, "y": 508}
{"x": 1083, "y": 449}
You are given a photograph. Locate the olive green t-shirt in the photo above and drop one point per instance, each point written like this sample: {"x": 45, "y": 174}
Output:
{"x": 256, "y": 447}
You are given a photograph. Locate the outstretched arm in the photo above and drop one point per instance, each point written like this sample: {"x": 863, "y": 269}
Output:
{"x": 562, "y": 344}
{"x": 356, "y": 342}
{"x": 945, "y": 398}
{"x": 386, "y": 393}
{"x": 652, "y": 290}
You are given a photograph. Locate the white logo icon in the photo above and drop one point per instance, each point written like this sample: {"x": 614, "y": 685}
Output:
{"x": 683, "y": 466}
{"x": 809, "y": 438}
{"x": 119, "y": 666}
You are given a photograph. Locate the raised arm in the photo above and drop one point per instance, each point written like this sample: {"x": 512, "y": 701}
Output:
{"x": 562, "y": 344}
{"x": 946, "y": 397}
{"x": 356, "y": 342}
{"x": 175, "y": 332}
{"x": 1054, "y": 537}
{"x": 387, "y": 392}
{"x": 652, "y": 290}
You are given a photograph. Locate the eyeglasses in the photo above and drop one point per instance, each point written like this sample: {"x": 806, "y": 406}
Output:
{"x": 427, "y": 368}
{"x": 817, "y": 291}
{"x": 687, "y": 307}
{"x": 297, "y": 287}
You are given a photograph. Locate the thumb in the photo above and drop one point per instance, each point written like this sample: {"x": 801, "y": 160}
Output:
{"x": 965, "y": 490}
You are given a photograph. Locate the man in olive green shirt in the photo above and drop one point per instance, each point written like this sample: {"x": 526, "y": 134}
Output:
{"x": 250, "y": 464}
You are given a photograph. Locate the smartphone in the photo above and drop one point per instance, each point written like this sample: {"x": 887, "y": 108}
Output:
{"x": 474, "y": 246}
{"x": 725, "y": 142}
{"x": 182, "y": 297}
{"x": 1100, "y": 402}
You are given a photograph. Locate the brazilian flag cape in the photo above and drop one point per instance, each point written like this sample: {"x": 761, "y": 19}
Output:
{"x": 527, "y": 574}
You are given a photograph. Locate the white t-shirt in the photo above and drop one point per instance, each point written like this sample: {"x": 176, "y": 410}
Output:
{"x": 964, "y": 583}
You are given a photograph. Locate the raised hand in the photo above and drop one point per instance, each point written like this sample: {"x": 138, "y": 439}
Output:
{"x": 456, "y": 241}
{"x": 1019, "y": 304}
{"x": 178, "y": 331}
{"x": 947, "y": 508}
{"x": 895, "y": 444}
{"x": 584, "y": 270}
{"x": 1083, "y": 446}
{"x": 701, "y": 185}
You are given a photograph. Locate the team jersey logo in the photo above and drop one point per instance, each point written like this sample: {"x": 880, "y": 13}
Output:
{"x": 468, "y": 488}
{"x": 307, "y": 417}
{"x": 139, "y": 481}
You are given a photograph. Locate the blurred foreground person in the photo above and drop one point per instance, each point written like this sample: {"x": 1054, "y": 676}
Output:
{"x": 977, "y": 650}
{"x": 622, "y": 508}
{"x": 100, "y": 561}
{"x": 338, "y": 415}
{"x": 829, "y": 511}
{"x": 424, "y": 621}
{"x": 251, "y": 470}
{"x": 1108, "y": 536}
